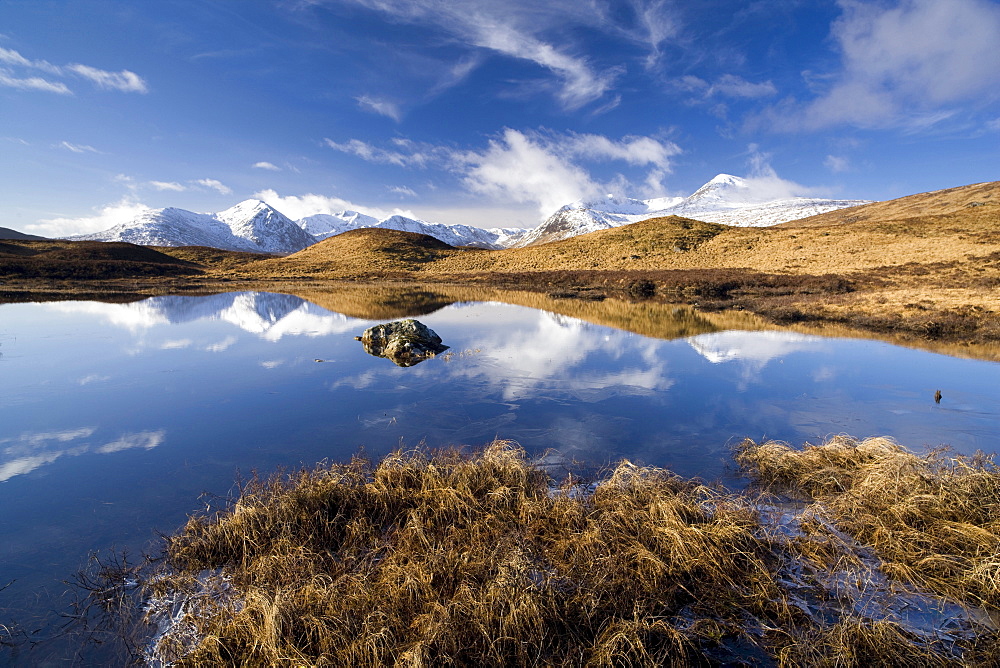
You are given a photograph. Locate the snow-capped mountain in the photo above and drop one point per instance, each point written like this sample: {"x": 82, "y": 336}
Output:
{"x": 249, "y": 226}
{"x": 266, "y": 228}
{"x": 322, "y": 226}
{"x": 725, "y": 199}
{"x": 270, "y": 316}
{"x": 255, "y": 226}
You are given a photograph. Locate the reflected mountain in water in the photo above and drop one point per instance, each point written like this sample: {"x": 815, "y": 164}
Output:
{"x": 316, "y": 313}
{"x": 753, "y": 349}
{"x": 267, "y": 314}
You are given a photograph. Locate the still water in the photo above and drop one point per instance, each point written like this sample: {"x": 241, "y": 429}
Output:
{"x": 115, "y": 418}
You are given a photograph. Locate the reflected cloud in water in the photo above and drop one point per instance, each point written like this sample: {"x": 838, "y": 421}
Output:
{"x": 27, "y": 452}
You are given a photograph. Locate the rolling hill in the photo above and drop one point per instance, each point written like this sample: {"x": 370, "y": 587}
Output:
{"x": 965, "y": 201}
{"x": 8, "y": 233}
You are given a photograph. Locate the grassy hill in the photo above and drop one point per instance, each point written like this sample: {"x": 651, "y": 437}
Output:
{"x": 87, "y": 260}
{"x": 950, "y": 201}
{"x": 8, "y": 233}
{"x": 926, "y": 266}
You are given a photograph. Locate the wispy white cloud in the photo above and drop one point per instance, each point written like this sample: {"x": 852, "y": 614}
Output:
{"x": 215, "y": 185}
{"x": 168, "y": 185}
{"x": 837, "y": 163}
{"x": 455, "y": 74}
{"x": 907, "y": 63}
{"x": 93, "y": 378}
{"x": 8, "y": 79}
{"x": 764, "y": 184}
{"x": 11, "y": 57}
{"x": 25, "y": 453}
{"x": 300, "y": 206}
{"x": 532, "y": 32}
{"x": 546, "y": 169}
{"x": 221, "y": 346}
{"x": 77, "y": 148}
{"x": 728, "y": 85}
{"x": 519, "y": 168}
{"x": 409, "y": 154}
{"x": 380, "y": 107}
{"x": 403, "y": 191}
{"x": 124, "y": 81}
{"x": 542, "y": 168}
{"x": 146, "y": 440}
{"x": 269, "y": 166}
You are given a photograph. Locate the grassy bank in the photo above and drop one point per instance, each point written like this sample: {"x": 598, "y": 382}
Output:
{"x": 459, "y": 558}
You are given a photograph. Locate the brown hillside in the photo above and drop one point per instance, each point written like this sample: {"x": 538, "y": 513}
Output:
{"x": 206, "y": 256}
{"x": 8, "y": 233}
{"x": 958, "y": 200}
{"x": 969, "y": 236}
{"x": 365, "y": 251}
{"x": 60, "y": 259}
{"x": 14, "y": 250}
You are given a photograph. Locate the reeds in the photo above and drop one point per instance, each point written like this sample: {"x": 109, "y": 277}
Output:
{"x": 454, "y": 557}
{"x": 933, "y": 520}
{"x": 465, "y": 559}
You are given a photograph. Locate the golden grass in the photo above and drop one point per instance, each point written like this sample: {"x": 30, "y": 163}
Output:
{"x": 451, "y": 559}
{"x": 459, "y": 558}
{"x": 933, "y": 520}
{"x": 959, "y": 200}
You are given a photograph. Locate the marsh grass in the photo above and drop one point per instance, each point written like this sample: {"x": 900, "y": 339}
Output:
{"x": 452, "y": 558}
{"x": 933, "y": 520}
{"x": 457, "y": 557}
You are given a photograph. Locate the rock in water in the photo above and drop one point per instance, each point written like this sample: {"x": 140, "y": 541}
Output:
{"x": 405, "y": 342}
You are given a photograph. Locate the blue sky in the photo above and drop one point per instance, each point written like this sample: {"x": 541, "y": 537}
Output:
{"x": 482, "y": 112}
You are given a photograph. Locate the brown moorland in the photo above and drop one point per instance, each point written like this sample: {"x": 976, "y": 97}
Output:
{"x": 925, "y": 267}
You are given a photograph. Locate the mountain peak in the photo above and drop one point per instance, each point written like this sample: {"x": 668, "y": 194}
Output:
{"x": 726, "y": 179}
{"x": 249, "y": 207}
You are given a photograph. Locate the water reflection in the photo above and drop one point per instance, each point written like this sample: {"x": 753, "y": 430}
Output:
{"x": 114, "y": 418}
{"x": 271, "y": 316}
{"x": 25, "y": 453}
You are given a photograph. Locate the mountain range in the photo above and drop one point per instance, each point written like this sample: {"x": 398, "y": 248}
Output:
{"x": 726, "y": 199}
{"x": 255, "y": 226}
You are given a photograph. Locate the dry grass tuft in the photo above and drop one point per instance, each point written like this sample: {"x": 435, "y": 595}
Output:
{"x": 933, "y": 520}
{"x": 457, "y": 558}
{"x": 450, "y": 558}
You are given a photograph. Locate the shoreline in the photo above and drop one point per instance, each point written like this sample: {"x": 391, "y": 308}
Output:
{"x": 950, "y": 321}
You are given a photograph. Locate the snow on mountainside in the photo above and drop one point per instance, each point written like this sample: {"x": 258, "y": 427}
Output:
{"x": 268, "y": 229}
{"x": 249, "y": 226}
{"x": 322, "y": 226}
{"x": 255, "y": 226}
{"x": 725, "y": 199}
